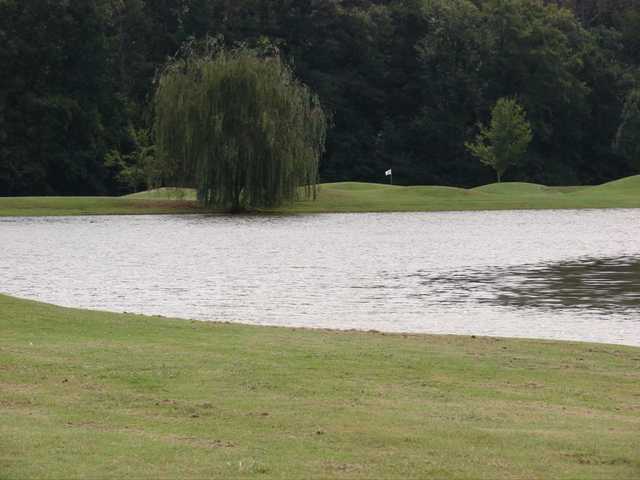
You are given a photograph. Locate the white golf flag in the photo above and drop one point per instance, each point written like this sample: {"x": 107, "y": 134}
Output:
{"x": 387, "y": 173}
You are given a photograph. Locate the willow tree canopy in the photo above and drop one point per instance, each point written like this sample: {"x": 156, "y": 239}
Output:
{"x": 239, "y": 128}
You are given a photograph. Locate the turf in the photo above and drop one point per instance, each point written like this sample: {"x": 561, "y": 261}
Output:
{"x": 164, "y": 193}
{"x": 350, "y": 197}
{"x": 55, "y": 206}
{"x": 354, "y": 197}
{"x": 100, "y": 395}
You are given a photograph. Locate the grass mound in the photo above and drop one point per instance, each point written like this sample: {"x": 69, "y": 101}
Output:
{"x": 627, "y": 184}
{"x": 438, "y": 191}
{"x": 101, "y": 395}
{"x": 165, "y": 193}
{"x": 356, "y": 186}
{"x": 352, "y": 197}
{"x": 513, "y": 188}
{"x": 375, "y": 197}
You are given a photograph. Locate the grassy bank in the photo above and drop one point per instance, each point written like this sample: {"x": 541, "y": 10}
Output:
{"x": 100, "y": 395}
{"x": 50, "y": 206}
{"x": 363, "y": 197}
{"x": 355, "y": 197}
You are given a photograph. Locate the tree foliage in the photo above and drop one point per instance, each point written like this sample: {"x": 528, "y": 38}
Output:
{"x": 139, "y": 167}
{"x": 406, "y": 81}
{"x": 58, "y": 108}
{"x": 239, "y": 127}
{"x": 506, "y": 140}
{"x": 627, "y": 140}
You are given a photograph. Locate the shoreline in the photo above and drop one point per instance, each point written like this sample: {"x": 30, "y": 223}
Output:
{"x": 373, "y": 332}
{"x": 204, "y": 212}
{"x": 352, "y": 197}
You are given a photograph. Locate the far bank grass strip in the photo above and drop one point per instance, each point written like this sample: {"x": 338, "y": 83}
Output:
{"x": 61, "y": 206}
{"x": 352, "y": 197}
{"x": 100, "y": 395}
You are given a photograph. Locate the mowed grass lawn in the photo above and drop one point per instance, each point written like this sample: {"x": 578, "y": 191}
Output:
{"x": 58, "y": 206}
{"x": 100, "y": 395}
{"x": 364, "y": 197}
{"x": 353, "y": 197}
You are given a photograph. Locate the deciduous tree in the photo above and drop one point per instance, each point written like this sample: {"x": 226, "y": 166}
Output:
{"x": 507, "y": 138}
{"x": 239, "y": 127}
{"x": 627, "y": 141}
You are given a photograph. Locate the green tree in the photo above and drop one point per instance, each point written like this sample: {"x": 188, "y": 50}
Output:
{"x": 406, "y": 82}
{"x": 536, "y": 52}
{"x": 627, "y": 141}
{"x": 58, "y": 111}
{"x": 506, "y": 140}
{"x": 238, "y": 127}
{"x": 450, "y": 56}
{"x": 138, "y": 168}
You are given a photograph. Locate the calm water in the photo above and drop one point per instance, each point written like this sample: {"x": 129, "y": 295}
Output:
{"x": 546, "y": 274}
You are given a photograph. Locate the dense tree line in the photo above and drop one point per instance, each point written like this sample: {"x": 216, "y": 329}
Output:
{"x": 407, "y": 83}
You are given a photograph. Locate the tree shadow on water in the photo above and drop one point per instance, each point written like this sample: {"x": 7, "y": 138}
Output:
{"x": 605, "y": 285}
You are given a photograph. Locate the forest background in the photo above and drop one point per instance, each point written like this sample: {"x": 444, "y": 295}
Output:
{"x": 406, "y": 83}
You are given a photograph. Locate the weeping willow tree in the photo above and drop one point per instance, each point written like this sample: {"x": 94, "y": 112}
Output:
{"x": 239, "y": 128}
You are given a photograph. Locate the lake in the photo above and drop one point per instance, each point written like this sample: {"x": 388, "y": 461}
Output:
{"x": 569, "y": 275}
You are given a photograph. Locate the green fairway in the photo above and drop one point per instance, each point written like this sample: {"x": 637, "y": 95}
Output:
{"x": 358, "y": 197}
{"x": 99, "y": 395}
{"x": 353, "y": 197}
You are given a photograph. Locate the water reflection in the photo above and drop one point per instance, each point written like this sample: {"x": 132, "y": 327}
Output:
{"x": 600, "y": 285}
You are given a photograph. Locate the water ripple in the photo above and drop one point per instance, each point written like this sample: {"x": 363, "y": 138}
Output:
{"x": 553, "y": 274}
